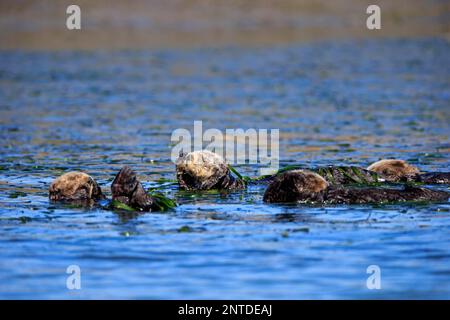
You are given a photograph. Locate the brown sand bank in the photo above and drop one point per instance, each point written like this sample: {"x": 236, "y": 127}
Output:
{"x": 40, "y": 24}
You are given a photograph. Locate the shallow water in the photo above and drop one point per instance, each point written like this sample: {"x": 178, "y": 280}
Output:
{"x": 347, "y": 102}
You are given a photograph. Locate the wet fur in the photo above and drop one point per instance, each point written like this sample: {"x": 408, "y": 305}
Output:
{"x": 127, "y": 189}
{"x": 296, "y": 186}
{"x": 305, "y": 186}
{"x": 434, "y": 178}
{"x": 394, "y": 170}
{"x": 205, "y": 170}
{"x": 382, "y": 195}
{"x": 75, "y": 186}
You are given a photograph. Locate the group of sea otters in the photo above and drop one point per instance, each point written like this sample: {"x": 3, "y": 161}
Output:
{"x": 385, "y": 181}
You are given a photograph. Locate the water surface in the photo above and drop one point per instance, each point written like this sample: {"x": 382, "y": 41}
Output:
{"x": 341, "y": 103}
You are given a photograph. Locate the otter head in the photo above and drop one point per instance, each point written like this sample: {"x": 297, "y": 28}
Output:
{"x": 296, "y": 186}
{"x": 74, "y": 186}
{"x": 394, "y": 170}
{"x": 200, "y": 170}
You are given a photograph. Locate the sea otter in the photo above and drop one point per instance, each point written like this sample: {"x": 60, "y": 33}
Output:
{"x": 75, "y": 186}
{"x": 127, "y": 189}
{"x": 78, "y": 187}
{"x": 309, "y": 187}
{"x": 394, "y": 170}
{"x": 205, "y": 170}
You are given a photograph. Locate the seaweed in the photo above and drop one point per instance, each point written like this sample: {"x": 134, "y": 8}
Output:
{"x": 17, "y": 194}
{"x": 184, "y": 229}
{"x": 245, "y": 179}
{"x": 116, "y": 204}
{"x": 358, "y": 173}
{"x": 161, "y": 202}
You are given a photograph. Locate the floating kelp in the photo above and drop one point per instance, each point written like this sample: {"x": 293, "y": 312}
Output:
{"x": 17, "y": 194}
{"x": 161, "y": 202}
{"x": 184, "y": 229}
{"x": 116, "y": 204}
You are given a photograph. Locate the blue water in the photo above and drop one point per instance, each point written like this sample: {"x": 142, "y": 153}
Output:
{"x": 343, "y": 102}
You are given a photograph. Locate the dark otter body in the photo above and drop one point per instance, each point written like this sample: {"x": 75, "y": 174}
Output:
{"x": 358, "y": 175}
{"x": 295, "y": 186}
{"x": 229, "y": 182}
{"x": 342, "y": 195}
{"x": 127, "y": 189}
{"x": 334, "y": 175}
{"x": 343, "y": 175}
{"x": 292, "y": 186}
{"x": 434, "y": 178}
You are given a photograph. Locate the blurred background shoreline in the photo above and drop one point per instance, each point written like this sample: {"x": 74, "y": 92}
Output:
{"x": 139, "y": 24}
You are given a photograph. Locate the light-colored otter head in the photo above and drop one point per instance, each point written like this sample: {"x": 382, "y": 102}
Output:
{"x": 394, "y": 170}
{"x": 200, "y": 170}
{"x": 74, "y": 186}
{"x": 295, "y": 185}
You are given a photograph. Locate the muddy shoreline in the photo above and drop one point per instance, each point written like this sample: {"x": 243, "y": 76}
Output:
{"x": 40, "y": 25}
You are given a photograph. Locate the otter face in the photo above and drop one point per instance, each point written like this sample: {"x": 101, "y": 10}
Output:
{"x": 73, "y": 186}
{"x": 394, "y": 170}
{"x": 200, "y": 170}
{"x": 296, "y": 186}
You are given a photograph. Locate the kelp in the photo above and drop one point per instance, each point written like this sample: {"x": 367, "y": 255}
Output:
{"x": 238, "y": 175}
{"x": 161, "y": 202}
{"x": 116, "y": 204}
{"x": 333, "y": 174}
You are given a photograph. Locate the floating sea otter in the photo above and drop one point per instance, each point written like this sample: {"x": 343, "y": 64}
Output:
{"x": 205, "y": 170}
{"x": 394, "y": 170}
{"x": 127, "y": 191}
{"x": 310, "y": 187}
{"x": 388, "y": 170}
{"x": 75, "y": 186}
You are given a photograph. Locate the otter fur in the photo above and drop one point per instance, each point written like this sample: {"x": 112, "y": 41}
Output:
{"x": 334, "y": 175}
{"x": 75, "y": 186}
{"x": 126, "y": 188}
{"x": 295, "y": 186}
{"x": 309, "y": 187}
{"x": 434, "y": 178}
{"x": 205, "y": 170}
{"x": 394, "y": 170}
{"x": 388, "y": 170}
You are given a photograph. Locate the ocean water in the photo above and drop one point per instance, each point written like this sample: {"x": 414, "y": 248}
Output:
{"x": 335, "y": 103}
